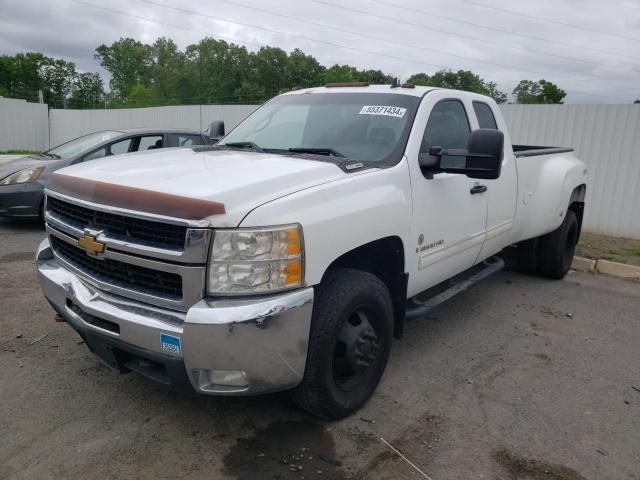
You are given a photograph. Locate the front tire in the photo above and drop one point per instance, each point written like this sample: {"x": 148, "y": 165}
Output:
{"x": 558, "y": 247}
{"x": 350, "y": 341}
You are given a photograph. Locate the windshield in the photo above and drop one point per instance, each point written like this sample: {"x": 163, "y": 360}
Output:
{"x": 368, "y": 127}
{"x": 80, "y": 145}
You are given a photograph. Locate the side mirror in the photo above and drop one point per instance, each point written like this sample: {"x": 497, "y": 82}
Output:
{"x": 485, "y": 153}
{"x": 216, "y": 131}
{"x": 481, "y": 159}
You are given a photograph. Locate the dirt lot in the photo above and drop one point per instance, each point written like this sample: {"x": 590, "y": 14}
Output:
{"x": 518, "y": 378}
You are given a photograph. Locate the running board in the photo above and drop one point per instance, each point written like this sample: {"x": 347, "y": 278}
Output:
{"x": 420, "y": 308}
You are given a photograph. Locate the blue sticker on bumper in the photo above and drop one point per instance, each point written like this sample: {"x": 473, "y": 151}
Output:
{"x": 170, "y": 344}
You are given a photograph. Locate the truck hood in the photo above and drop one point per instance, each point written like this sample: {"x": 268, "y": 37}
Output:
{"x": 237, "y": 181}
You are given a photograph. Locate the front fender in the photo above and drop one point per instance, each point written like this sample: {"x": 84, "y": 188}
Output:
{"x": 339, "y": 216}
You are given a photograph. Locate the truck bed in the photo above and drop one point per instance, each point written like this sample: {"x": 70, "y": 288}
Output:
{"x": 535, "y": 150}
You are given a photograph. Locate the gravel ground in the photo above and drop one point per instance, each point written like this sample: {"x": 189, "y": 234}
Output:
{"x": 518, "y": 378}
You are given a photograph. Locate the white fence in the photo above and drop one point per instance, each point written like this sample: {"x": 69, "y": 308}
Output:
{"x": 68, "y": 124}
{"x": 23, "y": 125}
{"x": 606, "y": 137}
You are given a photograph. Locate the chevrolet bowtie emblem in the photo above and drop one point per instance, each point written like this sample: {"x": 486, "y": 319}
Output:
{"x": 90, "y": 245}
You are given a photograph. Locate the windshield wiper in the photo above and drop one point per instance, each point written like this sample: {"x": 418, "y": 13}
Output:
{"x": 51, "y": 155}
{"x": 244, "y": 145}
{"x": 317, "y": 150}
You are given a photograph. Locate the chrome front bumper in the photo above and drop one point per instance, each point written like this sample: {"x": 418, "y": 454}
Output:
{"x": 263, "y": 339}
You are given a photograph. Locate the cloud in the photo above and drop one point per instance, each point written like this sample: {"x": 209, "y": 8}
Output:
{"x": 400, "y": 37}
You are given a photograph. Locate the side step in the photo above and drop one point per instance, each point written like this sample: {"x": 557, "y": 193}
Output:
{"x": 419, "y": 308}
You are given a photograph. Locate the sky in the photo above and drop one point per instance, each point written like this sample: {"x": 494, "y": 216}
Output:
{"x": 590, "y": 48}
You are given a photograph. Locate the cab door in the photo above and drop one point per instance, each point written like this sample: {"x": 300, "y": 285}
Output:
{"x": 449, "y": 210}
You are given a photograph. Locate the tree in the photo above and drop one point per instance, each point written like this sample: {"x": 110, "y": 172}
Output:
{"x": 128, "y": 62}
{"x": 419, "y": 79}
{"x": 20, "y": 75}
{"x": 637, "y": 101}
{"x": 218, "y": 70}
{"x": 340, "y": 73}
{"x": 144, "y": 96}
{"x": 166, "y": 72}
{"x": 374, "y": 77}
{"x": 270, "y": 67}
{"x": 528, "y": 91}
{"x": 58, "y": 78}
{"x": 303, "y": 70}
{"x": 87, "y": 91}
{"x": 460, "y": 80}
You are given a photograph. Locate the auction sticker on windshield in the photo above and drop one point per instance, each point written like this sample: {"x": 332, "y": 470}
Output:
{"x": 386, "y": 110}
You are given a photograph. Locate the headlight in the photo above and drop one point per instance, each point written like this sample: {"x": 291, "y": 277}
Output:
{"x": 23, "y": 176}
{"x": 256, "y": 260}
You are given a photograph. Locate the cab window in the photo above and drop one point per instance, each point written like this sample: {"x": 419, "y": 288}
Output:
{"x": 484, "y": 115}
{"x": 447, "y": 127}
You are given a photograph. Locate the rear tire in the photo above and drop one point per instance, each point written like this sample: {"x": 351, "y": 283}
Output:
{"x": 557, "y": 248}
{"x": 350, "y": 341}
{"x": 527, "y": 255}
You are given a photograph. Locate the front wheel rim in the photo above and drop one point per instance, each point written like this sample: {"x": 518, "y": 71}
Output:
{"x": 357, "y": 351}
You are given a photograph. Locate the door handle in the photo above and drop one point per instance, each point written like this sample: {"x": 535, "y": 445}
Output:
{"x": 478, "y": 189}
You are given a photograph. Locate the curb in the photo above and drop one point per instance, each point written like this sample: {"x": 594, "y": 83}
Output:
{"x": 606, "y": 267}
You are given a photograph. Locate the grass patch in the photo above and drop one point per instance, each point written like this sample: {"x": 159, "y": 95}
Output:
{"x": 521, "y": 468}
{"x": 622, "y": 250}
{"x": 18, "y": 152}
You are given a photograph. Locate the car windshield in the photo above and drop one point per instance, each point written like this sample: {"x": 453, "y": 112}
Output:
{"x": 367, "y": 127}
{"x": 82, "y": 144}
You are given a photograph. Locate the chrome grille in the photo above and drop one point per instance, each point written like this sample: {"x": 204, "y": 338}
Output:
{"x": 144, "y": 232}
{"x": 144, "y": 280}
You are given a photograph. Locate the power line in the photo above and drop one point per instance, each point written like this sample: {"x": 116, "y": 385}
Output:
{"x": 331, "y": 27}
{"x": 193, "y": 12}
{"x": 511, "y": 67}
{"x": 518, "y": 34}
{"x": 393, "y": 42}
{"x": 548, "y": 20}
{"x": 152, "y": 20}
{"x": 431, "y": 29}
{"x": 304, "y": 38}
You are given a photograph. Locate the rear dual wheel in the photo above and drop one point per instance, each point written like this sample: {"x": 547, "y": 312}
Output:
{"x": 552, "y": 254}
{"x": 350, "y": 341}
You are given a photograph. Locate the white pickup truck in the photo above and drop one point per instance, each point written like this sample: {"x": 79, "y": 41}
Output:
{"x": 289, "y": 255}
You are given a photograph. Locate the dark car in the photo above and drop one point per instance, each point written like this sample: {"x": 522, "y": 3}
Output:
{"x": 22, "y": 180}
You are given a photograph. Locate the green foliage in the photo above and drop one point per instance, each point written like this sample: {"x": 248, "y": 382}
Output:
{"x": 303, "y": 70}
{"x": 128, "y": 62}
{"x": 528, "y": 91}
{"x": 18, "y": 152}
{"x": 637, "y": 101}
{"x": 87, "y": 91}
{"x": 211, "y": 71}
{"x": 460, "y": 80}
{"x": 24, "y": 74}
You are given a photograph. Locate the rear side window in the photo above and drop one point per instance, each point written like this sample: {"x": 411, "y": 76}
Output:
{"x": 485, "y": 116}
{"x": 100, "y": 153}
{"x": 120, "y": 147}
{"x": 184, "y": 140}
{"x": 150, "y": 142}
